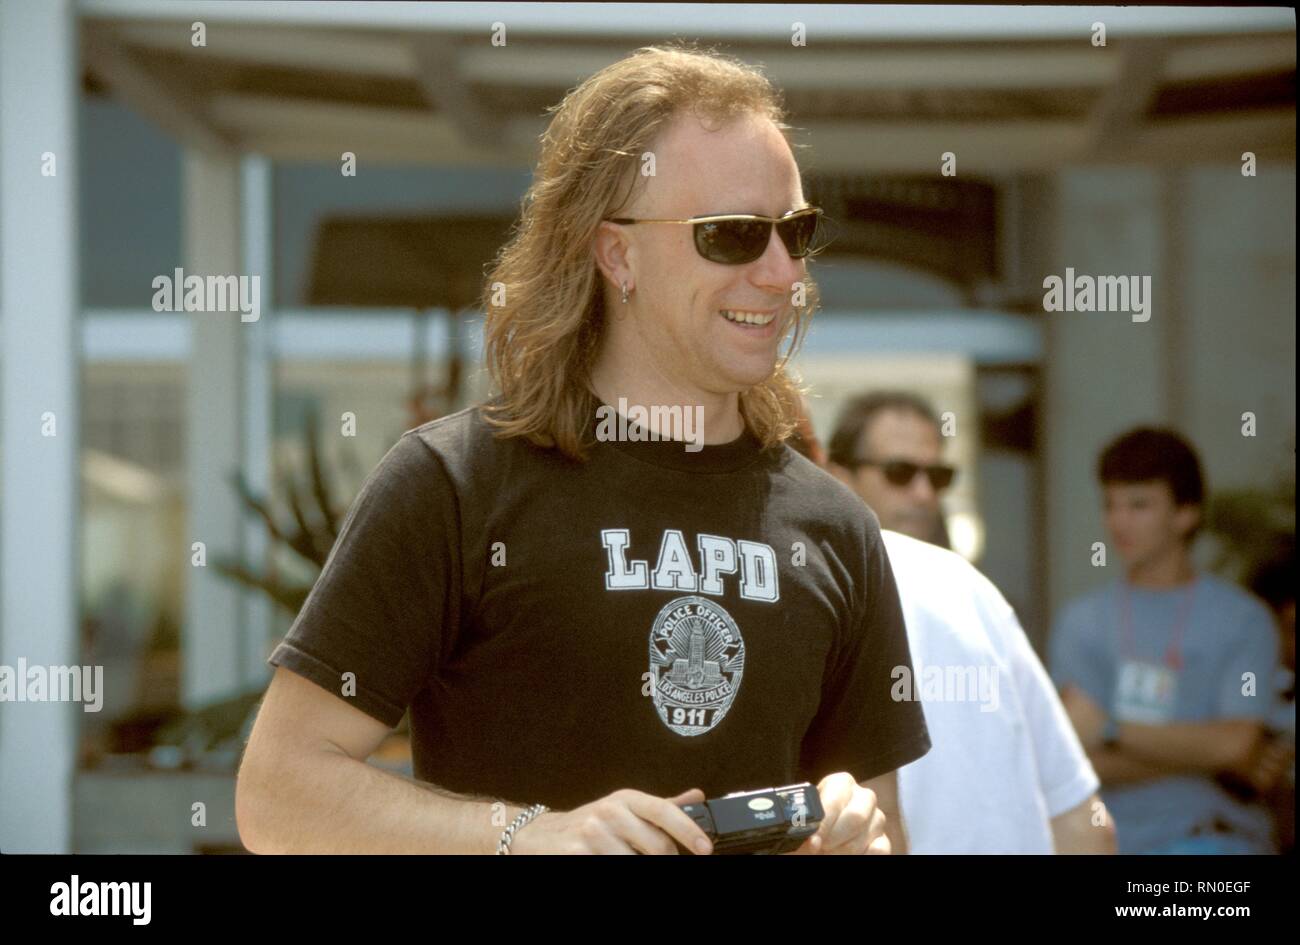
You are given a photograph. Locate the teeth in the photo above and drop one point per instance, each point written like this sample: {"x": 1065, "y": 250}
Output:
{"x": 748, "y": 318}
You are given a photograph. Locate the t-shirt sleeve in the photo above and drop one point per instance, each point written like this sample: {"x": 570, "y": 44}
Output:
{"x": 1077, "y": 655}
{"x": 386, "y": 604}
{"x": 1065, "y": 775}
{"x": 859, "y": 727}
{"x": 1253, "y": 649}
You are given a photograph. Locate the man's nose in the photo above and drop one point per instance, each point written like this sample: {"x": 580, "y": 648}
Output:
{"x": 776, "y": 269}
{"x": 921, "y": 489}
{"x": 1117, "y": 524}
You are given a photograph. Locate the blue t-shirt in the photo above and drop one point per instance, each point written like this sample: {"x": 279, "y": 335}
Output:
{"x": 1226, "y": 634}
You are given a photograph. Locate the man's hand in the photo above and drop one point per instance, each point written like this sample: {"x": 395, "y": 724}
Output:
{"x": 853, "y": 822}
{"x": 1266, "y": 765}
{"x": 625, "y": 822}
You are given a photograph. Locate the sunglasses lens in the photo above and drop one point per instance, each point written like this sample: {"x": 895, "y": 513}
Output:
{"x": 797, "y": 234}
{"x": 941, "y": 477}
{"x": 901, "y": 474}
{"x": 732, "y": 242}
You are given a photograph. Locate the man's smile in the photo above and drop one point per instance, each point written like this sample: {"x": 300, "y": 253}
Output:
{"x": 755, "y": 323}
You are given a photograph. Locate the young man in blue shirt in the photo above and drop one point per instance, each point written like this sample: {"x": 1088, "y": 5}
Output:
{"x": 1166, "y": 672}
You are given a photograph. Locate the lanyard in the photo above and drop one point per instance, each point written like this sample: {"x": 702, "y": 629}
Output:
{"x": 1174, "y": 654}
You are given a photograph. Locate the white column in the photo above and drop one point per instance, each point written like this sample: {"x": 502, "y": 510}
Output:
{"x": 212, "y": 636}
{"x": 39, "y": 574}
{"x": 1104, "y": 372}
{"x": 259, "y": 406}
{"x": 1176, "y": 238}
{"x": 1239, "y": 296}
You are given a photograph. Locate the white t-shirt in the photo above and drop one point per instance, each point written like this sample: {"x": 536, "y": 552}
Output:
{"x": 1005, "y": 759}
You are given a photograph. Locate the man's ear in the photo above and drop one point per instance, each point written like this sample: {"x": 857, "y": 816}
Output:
{"x": 840, "y": 472}
{"x": 1186, "y": 519}
{"x": 614, "y": 254}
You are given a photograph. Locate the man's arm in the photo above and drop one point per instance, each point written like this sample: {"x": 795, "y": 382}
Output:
{"x": 1112, "y": 765}
{"x": 1116, "y": 767}
{"x": 1143, "y": 752}
{"x": 886, "y": 790}
{"x": 304, "y": 786}
{"x": 1194, "y": 747}
{"x": 1086, "y": 828}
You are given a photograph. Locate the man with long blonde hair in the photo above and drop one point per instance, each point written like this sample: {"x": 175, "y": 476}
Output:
{"x": 611, "y": 590}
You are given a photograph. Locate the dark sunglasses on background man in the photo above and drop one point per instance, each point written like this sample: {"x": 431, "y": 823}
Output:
{"x": 900, "y": 472}
{"x": 734, "y": 239}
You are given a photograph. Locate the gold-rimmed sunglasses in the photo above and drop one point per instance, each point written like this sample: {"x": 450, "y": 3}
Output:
{"x": 734, "y": 239}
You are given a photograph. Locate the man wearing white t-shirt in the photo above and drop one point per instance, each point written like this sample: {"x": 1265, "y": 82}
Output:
{"x": 1006, "y": 773}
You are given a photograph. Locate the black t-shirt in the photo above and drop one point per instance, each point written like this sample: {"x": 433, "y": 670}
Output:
{"x": 652, "y": 618}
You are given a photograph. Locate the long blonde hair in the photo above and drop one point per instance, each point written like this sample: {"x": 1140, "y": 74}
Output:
{"x": 541, "y": 344}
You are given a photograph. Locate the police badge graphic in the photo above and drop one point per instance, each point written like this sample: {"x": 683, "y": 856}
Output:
{"x": 697, "y": 657}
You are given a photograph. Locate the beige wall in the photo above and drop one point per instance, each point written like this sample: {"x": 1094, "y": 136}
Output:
{"x": 1220, "y": 249}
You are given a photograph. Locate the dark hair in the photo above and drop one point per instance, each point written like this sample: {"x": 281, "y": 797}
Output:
{"x": 1273, "y": 581}
{"x": 856, "y": 415}
{"x": 1148, "y": 454}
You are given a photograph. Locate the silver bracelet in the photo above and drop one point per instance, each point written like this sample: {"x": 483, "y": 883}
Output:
{"x": 508, "y": 835}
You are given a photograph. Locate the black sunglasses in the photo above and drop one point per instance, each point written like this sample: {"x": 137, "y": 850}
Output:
{"x": 901, "y": 473}
{"x": 734, "y": 239}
